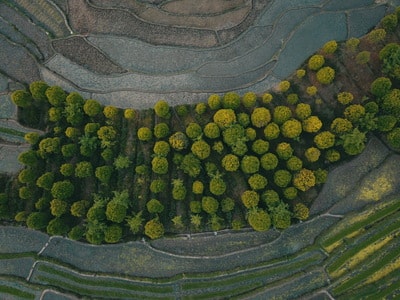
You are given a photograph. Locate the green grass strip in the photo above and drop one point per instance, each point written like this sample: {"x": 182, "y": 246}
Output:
{"x": 361, "y": 276}
{"x": 103, "y": 282}
{"x": 16, "y": 292}
{"x": 350, "y": 252}
{"x": 12, "y": 131}
{"x": 93, "y": 292}
{"x": 267, "y": 271}
{"x": 356, "y": 226}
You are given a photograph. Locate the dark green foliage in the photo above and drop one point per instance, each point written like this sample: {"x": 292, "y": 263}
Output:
{"x": 390, "y": 56}
{"x": 195, "y": 207}
{"x": 389, "y": 22}
{"x": 116, "y": 209}
{"x": 58, "y": 207}
{"x": 45, "y": 181}
{"x": 282, "y": 178}
{"x": 113, "y": 234}
{"x": 32, "y": 137}
{"x": 178, "y": 190}
{"x": 103, "y": 173}
{"x": 27, "y": 176}
{"x": 69, "y": 150}
{"x": 76, "y": 233}
{"x": 161, "y": 130}
{"x": 281, "y": 216}
{"x": 28, "y": 158}
{"x": 391, "y": 103}
{"x": 21, "y": 98}
{"x": 386, "y": 123}
{"x": 154, "y": 206}
{"x": 62, "y": 189}
{"x": 67, "y": 169}
{"x": 38, "y": 90}
{"x": 269, "y": 161}
{"x": 393, "y": 138}
{"x": 74, "y": 109}
{"x": 57, "y": 226}
{"x": 284, "y": 150}
{"x": 37, "y": 220}
{"x": 227, "y": 204}
{"x": 122, "y": 162}
{"x": 233, "y": 134}
{"x": 260, "y": 146}
{"x": 294, "y": 163}
{"x": 79, "y": 208}
{"x": 190, "y": 165}
{"x": 257, "y": 182}
{"x": 83, "y": 169}
{"x": 381, "y": 86}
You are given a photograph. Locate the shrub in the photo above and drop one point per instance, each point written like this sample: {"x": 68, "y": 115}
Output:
{"x": 250, "y": 164}
{"x": 107, "y": 154}
{"x": 354, "y": 112}
{"x": 376, "y": 35}
{"x": 303, "y": 111}
{"x": 243, "y": 119}
{"x": 108, "y": 134}
{"x": 231, "y": 100}
{"x": 284, "y": 86}
{"x": 28, "y": 158}
{"x": 363, "y": 57}
{"x": 250, "y": 199}
{"x": 304, "y": 180}
{"x": 224, "y": 118}
{"x": 161, "y": 148}
{"x": 92, "y": 107}
{"x": 257, "y": 182}
{"x": 312, "y": 90}
{"x": 271, "y": 198}
{"x": 391, "y": 103}
{"x": 76, "y": 233}
{"x": 240, "y": 148}
{"x": 272, "y": 131}
{"x": 353, "y": 142}
{"x": 230, "y": 162}
{"x": 91, "y": 128}
{"x": 300, "y": 73}
{"x": 49, "y": 145}
{"x": 345, "y": 98}
{"x": 182, "y": 110}
{"x": 193, "y": 130}
{"x": 161, "y": 109}
{"x": 178, "y": 141}
{"x": 386, "y": 123}
{"x": 260, "y": 146}
{"x": 201, "y": 108}
{"x": 191, "y": 165}
{"x": 260, "y": 117}
{"x": 217, "y": 186}
{"x": 57, "y": 226}
{"x": 116, "y": 211}
{"x": 56, "y": 95}
{"x": 233, "y": 134}
{"x": 144, "y": 134}
{"x": 227, "y": 205}
{"x": 381, "y": 86}
{"x": 27, "y": 176}
{"x": 178, "y": 190}
{"x": 201, "y": 149}
{"x": 154, "y": 206}
{"x": 209, "y": 205}
{"x": 301, "y": 211}
{"x": 267, "y": 98}
{"x": 312, "y": 124}
{"x": 250, "y": 134}
{"x": 259, "y": 220}
{"x": 316, "y": 62}
{"x": 371, "y": 107}
{"x": 218, "y": 147}
{"x": 154, "y": 229}
{"x": 158, "y": 186}
{"x": 45, "y": 181}
{"x": 294, "y": 163}
{"x": 389, "y": 22}
{"x": 55, "y": 114}
{"x": 312, "y": 154}
{"x": 159, "y": 165}
{"x": 282, "y": 178}
{"x": 121, "y": 162}
{"x": 324, "y": 140}
{"x": 38, "y": 90}
{"x": 79, "y": 208}
{"x": 214, "y": 102}
{"x": 31, "y": 137}
{"x": 284, "y": 150}
{"x": 195, "y": 207}
{"x": 281, "y": 216}
{"x": 211, "y": 130}
{"x": 340, "y": 126}
{"x": 352, "y": 44}
{"x": 325, "y": 75}
{"x": 249, "y": 99}
{"x": 390, "y": 56}
{"x": 281, "y": 114}
{"x": 320, "y": 176}
{"x": 393, "y": 138}
{"x": 73, "y": 110}
{"x": 292, "y": 99}
{"x": 291, "y": 129}
{"x": 290, "y": 193}
{"x": 37, "y": 220}
{"x": 112, "y": 234}
{"x": 332, "y": 155}
{"x": 329, "y": 47}
{"x": 67, "y": 169}
{"x": 197, "y": 187}
{"x": 269, "y": 161}
{"x": 83, "y": 169}
{"x": 62, "y": 189}
{"x": 58, "y": 207}
{"x": 130, "y": 113}
{"x": 161, "y": 130}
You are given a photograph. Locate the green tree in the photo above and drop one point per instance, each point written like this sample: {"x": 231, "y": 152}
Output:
{"x": 154, "y": 229}
{"x": 324, "y": 140}
{"x": 284, "y": 150}
{"x": 49, "y": 145}
{"x": 272, "y": 131}
{"x": 267, "y": 98}
{"x": 95, "y": 232}
{"x": 58, "y": 207}
{"x": 21, "y": 98}
{"x": 62, "y": 190}
{"x": 74, "y": 109}
{"x": 209, "y": 205}
{"x": 217, "y": 185}
{"x": 195, "y": 207}
{"x": 291, "y": 129}
{"x": 69, "y": 150}
{"x": 281, "y": 216}
{"x": 193, "y": 130}
{"x": 271, "y": 198}
{"x": 290, "y": 193}
{"x": 260, "y": 146}
{"x": 32, "y": 137}
{"x": 27, "y": 176}
{"x": 376, "y": 35}
{"x": 37, "y": 220}
{"x": 354, "y": 112}
{"x": 103, "y": 173}
{"x": 260, "y": 117}
{"x": 45, "y": 181}
{"x": 283, "y": 86}
{"x": 389, "y": 22}
{"x": 144, "y": 134}
{"x": 117, "y": 207}
{"x": 161, "y": 130}
{"x": 158, "y": 186}
{"x": 56, "y": 95}
{"x": 178, "y": 189}
{"x": 231, "y": 100}
{"x": 325, "y": 75}
{"x": 249, "y": 99}
{"x": 282, "y": 178}
{"x": 243, "y": 119}
{"x": 312, "y": 124}
{"x": 390, "y": 104}
{"x": 107, "y": 136}
{"x": 393, "y": 138}
{"x": 269, "y": 161}
{"x": 227, "y": 205}
{"x": 259, "y": 220}
{"x": 304, "y": 179}
{"x": 257, "y": 182}
{"x": 224, "y": 118}
{"x": 341, "y": 125}
{"x": 112, "y": 234}
{"x": 330, "y": 47}
{"x": 88, "y": 145}
{"x": 197, "y": 187}
{"x": 363, "y": 57}
{"x": 316, "y": 62}
{"x": 214, "y": 102}
{"x": 390, "y": 56}
{"x": 83, "y": 169}
{"x": 211, "y": 130}
{"x": 294, "y": 163}
{"x": 130, "y": 113}
{"x": 111, "y": 112}
{"x": 57, "y": 226}
{"x": 303, "y": 111}
{"x": 79, "y": 208}
{"x": 191, "y": 165}
{"x": 250, "y": 164}
{"x": 159, "y": 165}
{"x": 381, "y": 86}
{"x": 233, "y": 134}
{"x": 122, "y": 162}
{"x": 301, "y": 211}
{"x": 67, "y": 169}
{"x": 135, "y": 222}
{"x": 250, "y": 199}
{"x": 201, "y": 108}
{"x": 230, "y": 162}
{"x": 154, "y": 206}
{"x": 201, "y": 149}
{"x": 38, "y": 90}
{"x": 162, "y": 110}
{"x": 345, "y": 98}
{"x": 386, "y": 123}
{"x": 312, "y": 154}
{"x": 92, "y": 108}
{"x": 76, "y": 233}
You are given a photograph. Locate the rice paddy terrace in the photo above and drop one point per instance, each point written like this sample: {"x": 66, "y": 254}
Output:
{"x": 133, "y": 53}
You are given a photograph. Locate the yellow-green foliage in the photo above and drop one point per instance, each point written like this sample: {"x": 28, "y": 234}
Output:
{"x": 284, "y": 86}
{"x": 269, "y": 161}
{"x": 257, "y": 182}
{"x": 129, "y": 114}
{"x": 197, "y": 187}
{"x": 376, "y": 35}
{"x": 231, "y": 100}
{"x": 284, "y": 150}
{"x": 201, "y": 149}
{"x": 332, "y": 155}
{"x": 211, "y": 130}
{"x": 209, "y": 204}
{"x": 250, "y": 199}
{"x": 144, "y": 134}
{"x": 291, "y": 129}
{"x": 267, "y": 98}
{"x": 161, "y": 108}
{"x": 330, "y": 47}
{"x": 294, "y": 163}
{"x": 352, "y": 44}
{"x": 250, "y": 164}
{"x": 376, "y": 188}
{"x": 340, "y": 125}
{"x": 230, "y": 162}
{"x": 214, "y": 101}
{"x": 260, "y": 146}
{"x": 325, "y": 75}
{"x": 300, "y": 73}
{"x": 354, "y": 112}
{"x": 304, "y": 179}
{"x": 384, "y": 271}
{"x": 249, "y": 99}
{"x": 201, "y": 108}
{"x": 272, "y": 131}
{"x": 292, "y": 98}
{"x": 301, "y": 211}
{"x": 281, "y": 114}
{"x": 345, "y": 97}
{"x": 282, "y": 178}
{"x": 312, "y": 154}
{"x": 316, "y": 62}
{"x": 312, "y": 124}
{"x": 303, "y": 111}
{"x": 363, "y": 57}
{"x": 260, "y": 117}
{"x": 154, "y": 229}
{"x": 324, "y": 140}
{"x": 224, "y": 118}
{"x": 178, "y": 141}
{"x": 259, "y": 219}
{"x": 311, "y": 90}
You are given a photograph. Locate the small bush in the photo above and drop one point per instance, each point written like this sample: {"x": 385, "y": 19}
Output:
{"x": 214, "y": 102}
{"x": 282, "y": 178}
{"x": 301, "y": 211}
{"x": 332, "y": 155}
{"x": 330, "y": 47}
{"x": 201, "y": 149}
{"x": 154, "y": 229}
{"x": 363, "y": 57}
{"x": 162, "y": 110}
{"x": 249, "y": 100}
{"x": 250, "y": 164}
{"x": 161, "y": 130}
{"x": 217, "y": 186}
{"x": 311, "y": 90}
{"x": 324, "y": 140}
{"x": 325, "y": 75}
{"x": 201, "y": 108}
{"x": 269, "y": 161}
{"x": 345, "y": 98}
{"x": 294, "y": 164}
{"x": 260, "y": 146}
{"x": 284, "y": 150}
{"x": 159, "y": 165}
{"x": 144, "y": 134}
{"x": 386, "y": 123}
{"x": 259, "y": 220}
{"x": 209, "y": 205}
{"x": 271, "y": 198}
{"x": 197, "y": 187}
{"x": 231, "y": 100}
{"x": 316, "y": 62}
{"x": 243, "y": 119}
{"x": 300, "y": 73}
{"x": 381, "y": 86}
{"x": 284, "y": 86}
{"x": 161, "y": 148}
{"x": 195, "y": 207}
{"x": 292, "y": 99}
{"x": 272, "y": 131}
{"x": 312, "y": 124}
{"x": 352, "y": 44}
{"x": 260, "y": 117}
{"x": 303, "y": 111}
{"x": 290, "y": 193}
{"x": 267, "y": 98}
{"x": 281, "y": 114}
{"x": 154, "y": 206}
